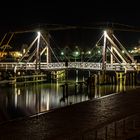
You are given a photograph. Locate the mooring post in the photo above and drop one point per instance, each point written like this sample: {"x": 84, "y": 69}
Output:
{"x": 66, "y": 87}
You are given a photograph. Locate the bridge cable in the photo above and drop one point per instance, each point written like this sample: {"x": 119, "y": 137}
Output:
{"x": 50, "y": 48}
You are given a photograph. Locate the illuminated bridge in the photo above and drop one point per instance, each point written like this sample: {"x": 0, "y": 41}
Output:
{"x": 71, "y": 65}
{"x": 114, "y": 56}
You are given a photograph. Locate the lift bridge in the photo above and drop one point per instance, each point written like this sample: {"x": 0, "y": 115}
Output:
{"x": 114, "y": 56}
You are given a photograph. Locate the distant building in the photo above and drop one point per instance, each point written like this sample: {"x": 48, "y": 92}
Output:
{"x": 13, "y": 55}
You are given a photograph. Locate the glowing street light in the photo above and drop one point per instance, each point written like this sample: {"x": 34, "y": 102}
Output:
{"x": 89, "y": 52}
{"x": 62, "y": 53}
{"x": 76, "y": 53}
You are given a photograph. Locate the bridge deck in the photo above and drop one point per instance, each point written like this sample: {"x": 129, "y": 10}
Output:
{"x": 79, "y": 120}
{"x": 71, "y": 65}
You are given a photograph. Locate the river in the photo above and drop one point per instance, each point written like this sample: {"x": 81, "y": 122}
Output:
{"x": 26, "y": 100}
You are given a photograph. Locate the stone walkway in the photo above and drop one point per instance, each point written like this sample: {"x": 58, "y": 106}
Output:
{"x": 79, "y": 121}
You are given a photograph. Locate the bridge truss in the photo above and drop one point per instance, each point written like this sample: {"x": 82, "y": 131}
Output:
{"x": 114, "y": 56}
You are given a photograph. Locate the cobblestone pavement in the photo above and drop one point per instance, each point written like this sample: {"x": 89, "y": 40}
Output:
{"x": 74, "y": 120}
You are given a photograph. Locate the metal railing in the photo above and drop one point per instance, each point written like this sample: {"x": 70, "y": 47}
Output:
{"x": 71, "y": 65}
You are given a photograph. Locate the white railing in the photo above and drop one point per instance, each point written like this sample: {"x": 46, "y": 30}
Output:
{"x": 71, "y": 65}
{"x": 85, "y": 65}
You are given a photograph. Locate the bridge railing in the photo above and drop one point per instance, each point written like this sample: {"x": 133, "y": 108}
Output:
{"x": 122, "y": 66}
{"x": 6, "y": 66}
{"x": 114, "y": 67}
{"x": 71, "y": 65}
{"x": 59, "y": 65}
{"x": 85, "y": 65}
{"x": 42, "y": 66}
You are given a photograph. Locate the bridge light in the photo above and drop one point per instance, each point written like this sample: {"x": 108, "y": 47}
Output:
{"x": 122, "y": 51}
{"x": 105, "y": 32}
{"x": 38, "y": 33}
{"x": 24, "y": 51}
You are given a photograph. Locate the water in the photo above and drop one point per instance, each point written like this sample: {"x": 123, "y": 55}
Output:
{"x": 19, "y": 101}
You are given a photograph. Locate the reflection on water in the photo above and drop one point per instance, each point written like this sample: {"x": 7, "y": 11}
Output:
{"x": 30, "y": 99}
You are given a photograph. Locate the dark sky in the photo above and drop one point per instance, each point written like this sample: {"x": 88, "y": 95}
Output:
{"x": 27, "y": 13}
{"x": 84, "y": 12}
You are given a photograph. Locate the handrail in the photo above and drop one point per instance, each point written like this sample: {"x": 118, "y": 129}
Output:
{"x": 71, "y": 65}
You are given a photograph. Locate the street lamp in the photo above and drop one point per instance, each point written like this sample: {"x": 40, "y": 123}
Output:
{"x": 89, "y": 52}
{"x": 76, "y": 55}
{"x": 99, "y": 51}
{"x": 62, "y": 53}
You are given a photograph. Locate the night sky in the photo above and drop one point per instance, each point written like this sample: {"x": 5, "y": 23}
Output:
{"x": 19, "y": 15}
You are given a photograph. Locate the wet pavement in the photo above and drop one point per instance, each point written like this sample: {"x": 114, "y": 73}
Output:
{"x": 77, "y": 120}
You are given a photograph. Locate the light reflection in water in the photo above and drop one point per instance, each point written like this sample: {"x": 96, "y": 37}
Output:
{"x": 30, "y": 99}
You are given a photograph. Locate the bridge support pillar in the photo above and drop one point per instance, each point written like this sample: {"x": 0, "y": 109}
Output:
{"x": 120, "y": 81}
{"x": 121, "y": 78}
{"x": 102, "y": 78}
{"x": 131, "y": 78}
{"x": 57, "y": 75}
